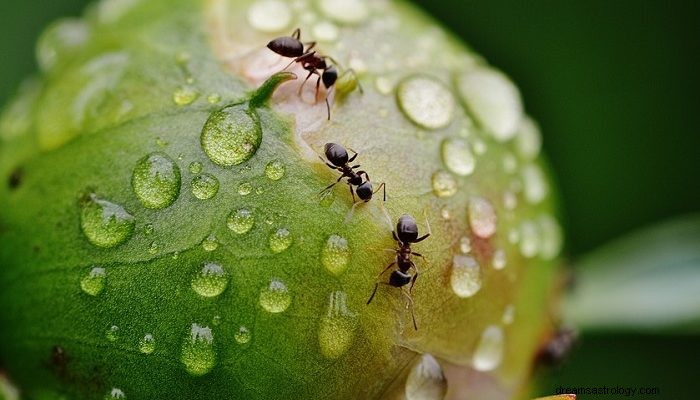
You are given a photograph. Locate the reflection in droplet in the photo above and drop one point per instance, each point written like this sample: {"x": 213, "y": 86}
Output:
{"x": 489, "y": 351}
{"x": 426, "y": 380}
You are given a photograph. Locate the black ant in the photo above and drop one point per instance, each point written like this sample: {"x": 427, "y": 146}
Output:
{"x": 406, "y": 233}
{"x": 340, "y": 161}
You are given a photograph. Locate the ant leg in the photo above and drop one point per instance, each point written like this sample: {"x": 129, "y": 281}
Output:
{"x": 383, "y": 185}
{"x": 354, "y": 156}
{"x": 352, "y": 192}
{"x": 419, "y": 255}
{"x": 348, "y": 217}
{"x": 331, "y": 185}
{"x": 376, "y": 284}
{"x": 356, "y": 166}
{"x": 303, "y": 83}
{"x": 357, "y": 80}
{"x": 410, "y": 304}
{"x": 427, "y": 225}
{"x": 311, "y": 45}
{"x": 318, "y": 85}
{"x": 413, "y": 280}
{"x": 364, "y": 173}
{"x": 296, "y": 34}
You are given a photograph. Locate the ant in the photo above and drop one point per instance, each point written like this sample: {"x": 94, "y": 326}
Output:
{"x": 406, "y": 233}
{"x": 293, "y": 47}
{"x": 340, "y": 161}
{"x": 557, "y": 348}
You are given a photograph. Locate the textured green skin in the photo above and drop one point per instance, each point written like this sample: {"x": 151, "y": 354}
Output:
{"x": 43, "y": 253}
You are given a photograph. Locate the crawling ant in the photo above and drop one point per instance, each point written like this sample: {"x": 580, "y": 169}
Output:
{"x": 340, "y": 161}
{"x": 406, "y": 233}
{"x": 311, "y": 61}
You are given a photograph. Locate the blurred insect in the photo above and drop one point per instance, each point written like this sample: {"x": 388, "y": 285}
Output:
{"x": 406, "y": 233}
{"x": 557, "y": 348}
{"x": 340, "y": 161}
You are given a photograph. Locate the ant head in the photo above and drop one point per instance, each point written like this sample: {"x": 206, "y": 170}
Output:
{"x": 336, "y": 154}
{"x": 286, "y": 46}
{"x": 329, "y": 76}
{"x": 364, "y": 191}
{"x": 407, "y": 229}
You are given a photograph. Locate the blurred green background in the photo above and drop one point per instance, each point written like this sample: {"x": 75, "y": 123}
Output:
{"x": 615, "y": 87}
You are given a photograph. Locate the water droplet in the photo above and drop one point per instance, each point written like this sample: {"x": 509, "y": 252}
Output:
{"x": 513, "y": 235}
{"x": 205, "y": 186}
{"x": 275, "y": 298}
{"x": 210, "y": 243}
{"x": 153, "y": 248}
{"x": 185, "y": 95}
{"x": 465, "y": 245}
{"x": 445, "y": 213}
{"x": 426, "y": 380}
{"x": 269, "y": 15}
{"x": 147, "y": 344}
{"x": 510, "y": 200}
{"x": 425, "y": 101}
{"x": 195, "y": 167}
{"x": 508, "y": 315}
{"x": 198, "y": 355}
{"x": 493, "y": 100}
{"x": 243, "y": 335}
{"x": 482, "y": 217}
{"x": 489, "y": 351}
{"x": 115, "y": 394}
{"x": 94, "y": 282}
{"x": 156, "y": 181}
{"x": 528, "y": 141}
{"x": 274, "y": 170}
{"x": 231, "y": 136}
{"x": 210, "y": 281}
{"x": 148, "y": 229}
{"x": 529, "y": 239}
{"x": 161, "y": 142}
{"x": 280, "y": 240}
{"x": 345, "y": 11}
{"x": 336, "y": 254}
{"x": 457, "y": 156}
{"x": 112, "y": 333}
{"x": 337, "y": 327}
{"x": 466, "y": 276}
{"x": 479, "y": 146}
{"x": 213, "y": 98}
{"x": 510, "y": 163}
{"x": 104, "y": 223}
{"x": 535, "y": 184}
{"x": 240, "y": 221}
{"x": 383, "y": 85}
{"x": 552, "y": 237}
{"x": 444, "y": 185}
{"x": 61, "y": 38}
{"x": 499, "y": 259}
{"x": 245, "y": 188}
{"x": 325, "y": 31}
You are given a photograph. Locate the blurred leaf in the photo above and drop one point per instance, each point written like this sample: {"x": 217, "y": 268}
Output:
{"x": 647, "y": 281}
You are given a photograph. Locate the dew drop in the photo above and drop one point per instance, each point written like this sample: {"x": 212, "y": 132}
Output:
{"x": 482, "y": 217}
{"x": 425, "y": 101}
{"x": 280, "y": 240}
{"x": 245, "y": 188}
{"x": 156, "y": 181}
{"x": 210, "y": 243}
{"x": 479, "y": 146}
{"x": 274, "y": 170}
{"x": 213, "y": 98}
{"x": 198, "y": 355}
{"x": 383, "y": 85}
{"x": 489, "y": 350}
{"x": 510, "y": 200}
{"x": 529, "y": 239}
{"x": 466, "y": 276}
{"x": 465, "y": 245}
{"x": 325, "y": 31}
{"x": 275, "y": 298}
{"x": 510, "y": 163}
{"x": 115, "y": 394}
{"x": 345, "y": 11}
{"x": 337, "y": 327}
{"x": 185, "y": 95}
{"x": 426, "y": 380}
{"x": 205, "y": 186}
{"x": 231, "y": 136}
{"x": 269, "y": 15}
{"x": 112, "y": 333}
{"x": 535, "y": 184}
{"x": 153, "y": 248}
{"x": 243, "y": 335}
{"x": 513, "y": 235}
{"x": 94, "y": 282}
{"x": 195, "y": 167}
{"x": 445, "y": 213}
{"x": 458, "y": 157}
{"x": 508, "y": 315}
{"x": 210, "y": 281}
{"x": 528, "y": 142}
{"x": 148, "y": 229}
{"x": 60, "y": 39}
{"x": 499, "y": 259}
{"x": 105, "y": 224}
{"x": 444, "y": 185}
{"x": 240, "y": 221}
{"x": 552, "y": 237}
{"x": 336, "y": 254}
{"x": 147, "y": 344}
{"x": 216, "y": 320}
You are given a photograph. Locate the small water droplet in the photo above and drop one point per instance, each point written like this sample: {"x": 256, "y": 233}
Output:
{"x": 205, "y": 186}
{"x": 489, "y": 351}
{"x": 325, "y": 31}
{"x": 482, "y": 217}
{"x": 535, "y": 184}
{"x": 195, "y": 167}
{"x": 529, "y": 239}
{"x": 112, "y": 333}
{"x": 156, "y": 181}
{"x": 280, "y": 240}
{"x": 457, "y": 156}
{"x": 153, "y": 248}
{"x": 508, "y": 315}
{"x": 161, "y": 142}
{"x": 240, "y": 221}
{"x": 148, "y": 229}
{"x": 510, "y": 200}
{"x": 444, "y": 185}
{"x": 337, "y": 327}
{"x": 147, "y": 344}
{"x": 510, "y": 163}
{"x": 213, "y": 98}
{"x": 243, "y": 335}
{"x": 231, "y": 135}
{"x": 198, "y": 355}
{"x": 115, "y": 394}
{"x": 210, "y": 243}
{"x": 94, "y": 282}
{"x": 513, "y": 235}
{"x": 552, "y": 237}
{"x": 445, "y": 213}
{"x": 105, "y": 224}
{"x": 528, "y": 142}
{"x": 466, "y": 276}
{"x": 499, "y": 259}
{"x": 210, "y": 281}
{"x": 426, "y": 380}
{"x": 479, "y": 146}
{"x": 275, "y": 298}
{"x": 425, "y": 101}
{"x": 336, "y": 254}
{"x": 383, "y": 85}
{"x": 274, "y": 170}
{"x": 345, "y": 11}
{"x": 245, "y": 188}
{"x": 185, "y": 95}
{"x": 465, "y": 245}
{"x": 269, "y": 15}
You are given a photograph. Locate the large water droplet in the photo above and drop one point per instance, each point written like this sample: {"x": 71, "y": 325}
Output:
{"x": 337, "y": 327}
{"x": 104, "y": 223}
{"x": 231, "y": 135}
{"x": 245, "y": 188}
{"x": 444, "y": 185}
{"x": 94, "y": 282}
{"x": 274, "y": 170}
{"x": 240, "y": 221}
{"x": 457, "y": 156}
{"x": 426, "y": 380}
{"x": 112, "y": 333}
{"x": 425, "y": 101}
{"x": 205, "y": 186}
{"x": 198, "y": 355}
{"x": 269, "y": 15}
{"x": 275, "y": 298}
{"x": 115, "y": 394}
{"x": 489, "y": 351}
{"x": 466, "y": 276}
{"x": 156, "y": 181}
{"x": 325, "y": 31}
{"x": 535, "y": 183}
{"x": 147, "y": 344}
{"x": 243, "y": 335}
{"x": 280, "y": 240}
{"x": 345, "y": 11}
{"x": 336, "y": 254}
{"x": 210, "y": 281}
{"x": 482, "y": 217}
{"x": 60, "y": 39}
